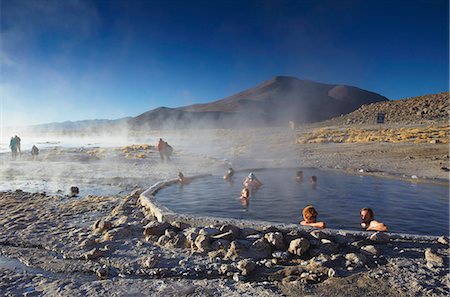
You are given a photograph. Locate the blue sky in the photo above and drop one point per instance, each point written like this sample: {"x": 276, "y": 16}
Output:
{"x": 75, "y": 60}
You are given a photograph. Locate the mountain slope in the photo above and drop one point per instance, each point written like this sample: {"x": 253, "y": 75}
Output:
{"x": 273, "y": 102}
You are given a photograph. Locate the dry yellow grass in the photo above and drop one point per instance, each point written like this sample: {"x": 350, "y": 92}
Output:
{"x": 437, "y": 134}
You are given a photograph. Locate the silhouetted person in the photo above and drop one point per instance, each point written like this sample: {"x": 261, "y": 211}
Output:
{"x": 74, "y": 191}
{"x": 299, "y": 176}
{"x": 310, "y": 218}
{"x": 34, "y": 152}
{"x": 168, "y": 150}
{"x": 18, "y": 144}
{"x": 161, "y": 146}
{"x": 13, "y": 147}
{"x": 368, "y": 222}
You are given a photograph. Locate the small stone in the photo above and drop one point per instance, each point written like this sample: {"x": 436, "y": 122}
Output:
{"x": 246, "y": 266}
{"x": 433, "y": 260}
{"x": 103, "y": 272}
{"x": 331, "y": 272}
{"x": 442, "y": 240}
{"x": 150, "y": 261}
{"x": 356, "y": 260}
{"x": 370, "y": 249}
{"x": 202, "y": 243}
{"x": 93, "y": 254}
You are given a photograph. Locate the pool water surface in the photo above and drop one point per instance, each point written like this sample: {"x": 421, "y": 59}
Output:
{"x": 404, "y": 207}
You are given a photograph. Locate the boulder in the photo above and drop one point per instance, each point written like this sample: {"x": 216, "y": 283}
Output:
{"x": 275, "y": 239}
{"x": 228, "y": 235}
{"x": 235, "y": 251}
{"x": 355, "y": 259}
{"x": 248, "y": 231}
{"x": 442, "y": 240}
{"x": 370, "y": 250}
{"x": 154, "y": 228}
{"x": 102, "y": 225}
{"x": 260, "y": 249}
{"x": 379, "y": 237}
{"x": 299, "y": 246}
{"x": 209, "y": 231}
{"x": 433, "y": 260}
{"x": 236, "y": 231}
{"x": 220, "y": 244}
{"x": 103, "y": 272}
{"x": 202, "y": 244}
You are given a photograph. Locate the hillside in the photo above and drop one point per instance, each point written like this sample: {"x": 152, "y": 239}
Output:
{"x": 273, "y": 102}
{"x": 414, "y": 110}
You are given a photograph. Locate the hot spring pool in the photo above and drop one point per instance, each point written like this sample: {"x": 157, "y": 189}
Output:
{"x": 405, "y": 207}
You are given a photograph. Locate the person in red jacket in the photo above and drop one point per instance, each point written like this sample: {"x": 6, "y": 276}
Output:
{"x": 161, "y": 148}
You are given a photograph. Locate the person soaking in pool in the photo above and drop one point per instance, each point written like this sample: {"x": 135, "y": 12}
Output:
{"x": 310, "y": 218}
{"x": 251, "y": 182}
{"x": 229, "y": 174}
{"x": 182, "y": 179}
{"x": 245, "y": 195}
{"x": 299, "y": 176}
{"x": 368, "y": 222}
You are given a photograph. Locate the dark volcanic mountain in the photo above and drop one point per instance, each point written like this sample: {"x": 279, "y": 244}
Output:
{"x": 274, "y": 102}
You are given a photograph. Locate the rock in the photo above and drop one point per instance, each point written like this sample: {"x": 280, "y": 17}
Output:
{"x": 93, "y": 254}
{"x": 118, "y": 233}
{"x": 234, "y": 251}
{"x": 370, "y": 250}
{"x": 103, "y": 272}
{"x": 283, "y": 256}
{"x": 435, "y": 141}
{"x": 136, "y": 193}
{"x": 102, "y": 225}
{"x": 254, "y": 237}
{"x": 379, "y": 237}
{"x": 268, "y": 229}
{"x": 433, "y": 260}
{"x": 190, "y": 234}
{"x": 154, "y": 228}
{"x": 172, "y": 240}
{"x": 298, "y": 246}
{"x": 248, "y": 231}
{"x": 291, "y": 235}
{"x": 260, "y": 249}
{"x": 355, "y": 260}
{"x": 236, "y": 231}
{"x": 246, "y": 266}
{"x": 202, "y": 244}
{"x": 343, "y": 240}
{"x": 180, "y": 225}
{"x": 225, "y": 268}
{"x": 331, "y": 272}
{"x": 318, "y": 234}
{"x": 150, "y": 261}
{"x": 208, "y": 231}
{"x": 88, "y": 242}
{"x": 275, "y": 239}
{"x": 220, "y": 244}
{"x": 443, "y": 240}
{"x": 227, "y": 236}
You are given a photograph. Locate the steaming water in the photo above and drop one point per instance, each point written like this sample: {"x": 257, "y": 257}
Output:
{"x": 404, "y": 207}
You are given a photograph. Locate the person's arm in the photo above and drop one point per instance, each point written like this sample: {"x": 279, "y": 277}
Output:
{"x": 320, "y": 225}
{"x": 377, "y": 226}
{"x": 258, "y": 182}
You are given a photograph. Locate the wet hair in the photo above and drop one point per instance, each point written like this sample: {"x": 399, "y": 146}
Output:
{"x": 369, "y": 211}
{"x": 314, "y": 178}
{"x": 309, "y": 212}
{"x": 180, "y": 175}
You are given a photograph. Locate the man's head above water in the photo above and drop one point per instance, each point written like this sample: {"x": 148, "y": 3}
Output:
{"x": 367, "y": 215}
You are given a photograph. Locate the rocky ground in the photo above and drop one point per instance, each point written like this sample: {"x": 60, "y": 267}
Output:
{"x": 52, "y": 244}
